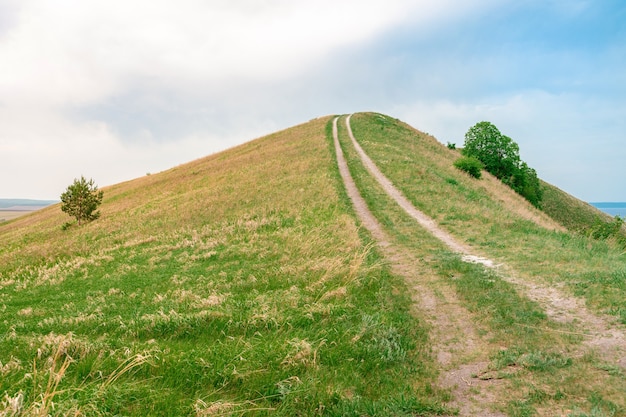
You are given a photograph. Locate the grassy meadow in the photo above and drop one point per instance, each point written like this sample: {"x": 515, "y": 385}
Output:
{"x": 243, "y": 284}
{"x": 539, "y": 359}
{"x": 495, "y": 220}
{"x": 237, "y": 284}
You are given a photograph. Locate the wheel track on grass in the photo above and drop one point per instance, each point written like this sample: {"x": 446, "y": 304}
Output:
{"x": 453, "y": 334}
{"x": 607, "y": 338}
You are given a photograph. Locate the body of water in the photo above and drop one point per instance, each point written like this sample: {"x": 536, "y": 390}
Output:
{"x": 614, "y": 209}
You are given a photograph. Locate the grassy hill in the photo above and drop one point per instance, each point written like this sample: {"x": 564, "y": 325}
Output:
{"x": 235, "y": 282}
{"x": 577, "y": 216}
{"x": 243, "y": 284}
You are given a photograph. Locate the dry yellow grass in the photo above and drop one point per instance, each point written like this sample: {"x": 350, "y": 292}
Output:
{"x": 276, "y": 175}
{"x": 517, "y": 204}
{"x": 246, "y": 270}
{"x": 243, "y": 273}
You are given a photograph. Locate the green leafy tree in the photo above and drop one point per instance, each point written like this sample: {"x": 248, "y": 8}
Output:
{"x": 500, "y": 156}
{"x": 526, "y": 183}
{"x": 497, "y": 152}
{"x": 81, "y": 199}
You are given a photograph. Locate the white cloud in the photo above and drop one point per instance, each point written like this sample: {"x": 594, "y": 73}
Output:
{"x": 71, "y": 52}
{"x": 45, "y": 156}
{"x": 115, "y": 89}
{"x": 150, "y": 60}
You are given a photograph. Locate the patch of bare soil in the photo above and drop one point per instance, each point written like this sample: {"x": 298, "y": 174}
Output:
{"x": 601, "y": 335}
{"x": 453, "y": 333}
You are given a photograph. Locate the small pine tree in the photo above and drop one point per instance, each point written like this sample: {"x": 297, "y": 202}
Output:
{"x": 81, "y": 199}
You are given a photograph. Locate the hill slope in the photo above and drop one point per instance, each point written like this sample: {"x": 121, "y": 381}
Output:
{"x": 576, "y": 215}
{"x": 241, "y": 283}
{"x": 236, "y": 282}
{"x": 536, "y": 295}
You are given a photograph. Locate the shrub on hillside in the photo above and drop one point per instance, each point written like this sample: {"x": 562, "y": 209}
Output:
{"x": 604, "y": 230}
{"x": 470, "y": 165}
{"x": 526, "y": 183}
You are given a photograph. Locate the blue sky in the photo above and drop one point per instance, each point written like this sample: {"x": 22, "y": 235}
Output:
{"x": 113, "y": 90}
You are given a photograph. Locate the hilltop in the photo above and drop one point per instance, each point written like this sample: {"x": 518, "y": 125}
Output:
{"x": 245, "y": 283}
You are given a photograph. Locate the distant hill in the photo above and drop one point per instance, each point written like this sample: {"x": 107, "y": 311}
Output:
{"x": 6, "y": 203}
{"x": 12, "y": 208}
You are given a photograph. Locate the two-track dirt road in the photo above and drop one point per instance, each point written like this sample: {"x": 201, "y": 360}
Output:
{"x": 452, "y": 328}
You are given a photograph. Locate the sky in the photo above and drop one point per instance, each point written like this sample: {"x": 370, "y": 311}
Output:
{"x": 118, "y": 89}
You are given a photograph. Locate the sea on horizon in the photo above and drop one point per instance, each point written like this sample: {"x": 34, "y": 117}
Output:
{"x": 612, "y": 208}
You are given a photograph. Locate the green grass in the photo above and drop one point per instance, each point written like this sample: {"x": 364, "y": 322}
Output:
{"x": 582, "y": 218}
{"x": 490, "y": 217}
{"x": 533, "y": 351}
{"x": 236, "y": 284}
{"x": 243, "y": 284}
{"x": 572, "y": 213}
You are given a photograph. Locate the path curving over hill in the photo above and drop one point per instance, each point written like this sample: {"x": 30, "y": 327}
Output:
{"x": 453, "y": 334}
{"x": 428, "y": 223}
{"x": 602, "y": 335}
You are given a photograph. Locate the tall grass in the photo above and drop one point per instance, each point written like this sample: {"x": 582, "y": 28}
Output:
{"x": 491, "y": 218}
{"x": 237, "y": 284}
{"x": 538, "y": 359}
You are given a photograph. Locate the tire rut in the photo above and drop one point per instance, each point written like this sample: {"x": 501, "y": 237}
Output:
{"x": 452, "y": 333}
{"x": 605, "y": 337}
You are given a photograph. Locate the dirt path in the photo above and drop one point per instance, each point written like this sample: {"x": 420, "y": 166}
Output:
{"x": 428, "y": 223}
{"x": 453, "y": 334}
{"x": 602, "y": 335}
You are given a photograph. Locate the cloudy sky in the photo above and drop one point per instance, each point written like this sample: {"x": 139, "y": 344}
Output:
{"x": 115, "y": 89}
